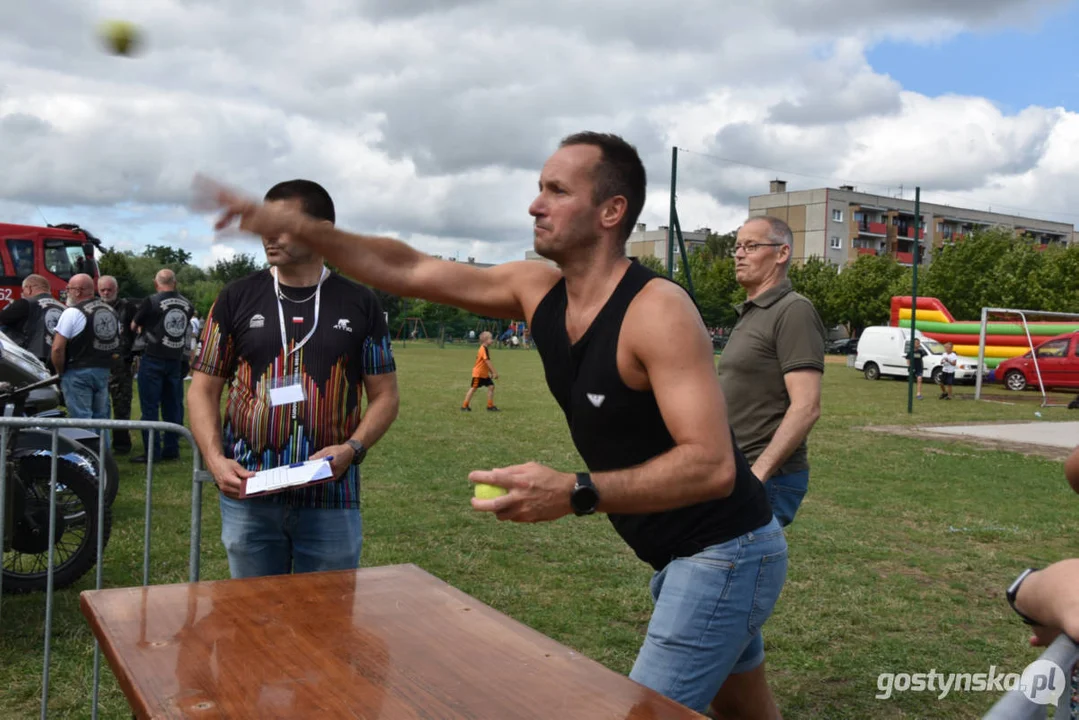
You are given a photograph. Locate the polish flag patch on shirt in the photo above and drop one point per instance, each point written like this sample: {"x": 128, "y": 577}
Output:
{"x": 297, "y": 321}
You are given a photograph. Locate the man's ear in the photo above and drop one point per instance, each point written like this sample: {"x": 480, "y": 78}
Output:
{"x": 612, "y": 212}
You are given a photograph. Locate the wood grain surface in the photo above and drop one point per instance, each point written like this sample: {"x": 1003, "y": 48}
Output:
{"x": 386, "y": 642}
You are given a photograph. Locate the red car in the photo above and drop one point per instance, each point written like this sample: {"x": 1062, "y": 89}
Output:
{"x": 1058, "y": 363}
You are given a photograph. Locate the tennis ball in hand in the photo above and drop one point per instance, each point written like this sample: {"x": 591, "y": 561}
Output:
{"x": 487, "y": 492}
{"x": 119, "y": 37}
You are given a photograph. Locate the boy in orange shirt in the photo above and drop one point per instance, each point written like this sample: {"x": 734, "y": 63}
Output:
{"x": 482, "y": 373}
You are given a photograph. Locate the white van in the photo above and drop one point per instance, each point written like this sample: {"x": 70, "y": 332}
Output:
{"x": 883, "y": 350}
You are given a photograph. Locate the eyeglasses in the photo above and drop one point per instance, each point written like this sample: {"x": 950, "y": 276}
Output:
{"x": 752, "y": 247}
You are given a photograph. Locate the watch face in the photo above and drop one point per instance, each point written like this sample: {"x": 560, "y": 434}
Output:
{"x": 584, "y": 499}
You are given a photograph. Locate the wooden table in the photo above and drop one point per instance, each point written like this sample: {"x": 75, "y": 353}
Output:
{"x": 386, "y": 642}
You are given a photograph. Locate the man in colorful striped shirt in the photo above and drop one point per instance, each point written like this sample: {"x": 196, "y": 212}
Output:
{"x": 297, "y": 346}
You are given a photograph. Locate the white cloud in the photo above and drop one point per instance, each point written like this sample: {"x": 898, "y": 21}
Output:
{"x": 429, "y": 120}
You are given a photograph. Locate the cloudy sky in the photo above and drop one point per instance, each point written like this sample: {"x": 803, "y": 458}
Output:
{"x": 429, "y": 119}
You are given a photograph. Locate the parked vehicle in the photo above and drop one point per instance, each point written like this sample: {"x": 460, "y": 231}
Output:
{"x": 44, "y": 402}
{"x": 844, "y": 346}
{"x": 26, "y": 498}
{"x": 883, "y": 351}
{"x": 56, "y": 252}
{"x": 1058, "y": 362}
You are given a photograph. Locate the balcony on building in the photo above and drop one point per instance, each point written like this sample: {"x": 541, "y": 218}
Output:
{"x": 870, "y": 221}
{"x": 868, "y": 245}
{"x": 1042, "y": 239}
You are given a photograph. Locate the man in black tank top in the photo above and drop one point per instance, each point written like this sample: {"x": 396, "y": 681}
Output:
{"x": 627, "y": 357}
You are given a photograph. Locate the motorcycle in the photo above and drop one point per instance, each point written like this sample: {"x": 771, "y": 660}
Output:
{"x": 26, "y": 385}
{"x": 18, "y": 366}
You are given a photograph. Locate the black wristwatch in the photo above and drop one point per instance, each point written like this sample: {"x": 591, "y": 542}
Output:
{"x": 1013, "y": 590}
{"x": 358, "y": 451}
{"x": 584, "y": 499}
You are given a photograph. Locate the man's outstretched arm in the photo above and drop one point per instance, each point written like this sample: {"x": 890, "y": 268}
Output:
{"x": 391, "y": 265}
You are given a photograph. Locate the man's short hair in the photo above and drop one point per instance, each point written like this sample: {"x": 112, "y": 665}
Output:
{"x": 778, "y": 230}
{"x": 313, "y": 197}
{"x": 619, "y": 172}
{"x": 36, "y": 281}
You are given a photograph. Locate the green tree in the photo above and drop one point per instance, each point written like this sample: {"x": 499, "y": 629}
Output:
{"x": 720, "y": 246}
{"x": 203, "y": 294}
{"x": 435, "y": 315}
{"x": 189, "y": 275}
{"x": 653, "y": 263}
{"x": 818, "y": 280}
{"x": 864, "y": 291}
{"x": 992, "y": 267}
{"x": 716, "y": 289}
{"x": 238, "y": 266}
{"x": 1057, "y": 281}
{"x": 167, "y": 256}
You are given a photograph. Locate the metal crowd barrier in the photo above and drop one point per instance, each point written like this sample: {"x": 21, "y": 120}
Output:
{"x": 1016, "y": 705}
{"x": 199, "y": 476}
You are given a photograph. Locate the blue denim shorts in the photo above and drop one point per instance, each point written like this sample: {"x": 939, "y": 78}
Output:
{"x": 785, "y": 493}
{"x": 709, "y": 607}
{"x": 263, "y": 537}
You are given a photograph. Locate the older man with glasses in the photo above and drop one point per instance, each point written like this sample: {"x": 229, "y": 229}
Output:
{"x": 771, "y": 371}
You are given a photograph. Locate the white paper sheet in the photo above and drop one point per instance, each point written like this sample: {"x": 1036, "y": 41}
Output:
{"x": 287, "y": 476}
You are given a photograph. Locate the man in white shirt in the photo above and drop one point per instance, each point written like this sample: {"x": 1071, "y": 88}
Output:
{"x": 87, "y": 338}
{"x": 947, "y": 372}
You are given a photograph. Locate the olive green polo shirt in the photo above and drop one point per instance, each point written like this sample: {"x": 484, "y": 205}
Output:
{"x": 776, "y": 332}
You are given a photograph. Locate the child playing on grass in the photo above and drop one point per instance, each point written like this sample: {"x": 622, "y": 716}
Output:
{"x": 482, "y": 373}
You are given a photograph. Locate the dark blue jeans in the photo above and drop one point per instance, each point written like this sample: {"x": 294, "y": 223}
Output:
{"x": 161, "y": 387}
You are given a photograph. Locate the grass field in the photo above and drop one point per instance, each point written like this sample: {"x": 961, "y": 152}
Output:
{"x": 898, "y": 559}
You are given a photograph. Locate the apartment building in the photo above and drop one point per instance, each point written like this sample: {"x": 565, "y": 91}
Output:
{"x": 839, "y": 224}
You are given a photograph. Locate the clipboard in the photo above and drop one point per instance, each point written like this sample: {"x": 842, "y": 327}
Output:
{"x": 286, "y": 477}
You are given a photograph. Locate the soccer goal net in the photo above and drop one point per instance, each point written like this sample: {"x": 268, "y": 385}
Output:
{"x": 1024, "y": 347}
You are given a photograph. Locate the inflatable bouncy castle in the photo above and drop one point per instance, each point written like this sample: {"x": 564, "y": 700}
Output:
{"x": 1003, "y": 338}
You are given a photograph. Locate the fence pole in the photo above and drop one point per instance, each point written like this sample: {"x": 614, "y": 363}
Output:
{"x": 99, "y": 564}
{"x": 50, "y": 571}
{"x": 674, "y": 213}
{"x": 981, "y": 355}
{"x": 914, "y": 296}
{"x": 53, "y": 425}
{"x": 150, "y": 452}
{"x": 198, "y": 475}
{"x": 3, "y": 508}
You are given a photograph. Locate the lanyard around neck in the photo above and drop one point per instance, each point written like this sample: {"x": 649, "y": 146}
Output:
{"x": 281, "y": 312}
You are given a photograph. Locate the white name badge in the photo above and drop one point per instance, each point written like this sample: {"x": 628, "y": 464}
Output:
{"x": 286, "y": 395}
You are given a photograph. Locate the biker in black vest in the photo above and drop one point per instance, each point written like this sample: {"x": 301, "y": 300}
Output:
{"x": 122, "y": 374}
{"x": 31, "y": 320}
{"x": 87, "y": 338}
{"x": 629, "y": 360}
{"x": 164, "y": 320}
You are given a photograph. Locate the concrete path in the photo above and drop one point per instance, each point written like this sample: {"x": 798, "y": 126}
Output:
{"x": 1052, "y": 434}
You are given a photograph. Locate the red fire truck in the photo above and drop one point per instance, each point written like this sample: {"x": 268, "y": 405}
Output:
{"x": 55, "y": 252}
